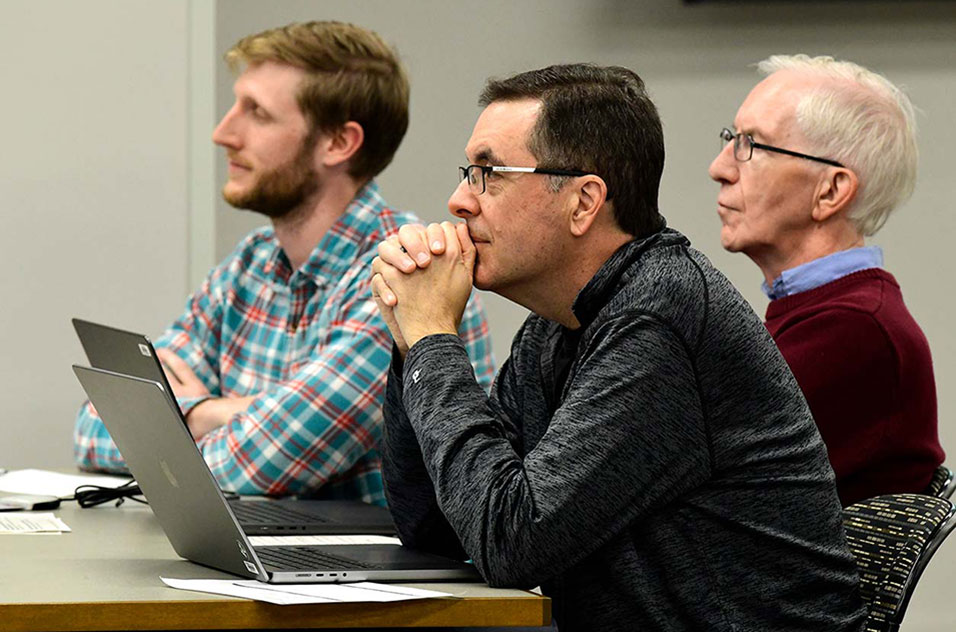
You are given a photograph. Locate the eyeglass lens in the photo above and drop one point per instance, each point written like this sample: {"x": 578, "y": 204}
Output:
{"x": 475, "y": 176}
{"x": 743, "y": 148}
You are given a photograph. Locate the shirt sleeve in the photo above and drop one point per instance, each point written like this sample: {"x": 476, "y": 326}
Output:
{"x": 306, "y": 431}
{"x": 411, "y": 495}
{"x": 93, "y": 448}
{"x": 194, "y": 331}
{"x": 627, "y": 437}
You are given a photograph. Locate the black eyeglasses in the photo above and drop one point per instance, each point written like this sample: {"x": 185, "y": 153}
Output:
{"x": 476, "y": 182}
{"x": 744, "y": 148}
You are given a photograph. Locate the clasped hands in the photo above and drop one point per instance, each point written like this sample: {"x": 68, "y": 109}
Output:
{"x": 421, "y": 280}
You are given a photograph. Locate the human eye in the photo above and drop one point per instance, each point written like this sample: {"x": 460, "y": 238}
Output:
{"x": 256, "y": 110}
{"x": 472, "y": 174}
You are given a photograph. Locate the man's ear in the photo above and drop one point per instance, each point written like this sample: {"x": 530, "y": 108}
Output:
{"x": 340, "y": 145}
{"x": 835, "y": 193}
{"x": 587, "y": 201}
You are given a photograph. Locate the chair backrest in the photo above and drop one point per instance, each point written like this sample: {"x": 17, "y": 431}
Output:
{"x": 893, "y": 538}
{"x": 943, "y": 483}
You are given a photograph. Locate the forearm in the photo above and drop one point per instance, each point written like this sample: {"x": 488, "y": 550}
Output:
{"x": 298, "y": 435}
{"x": 215, "y": 412}
{"x": 411, "y": 496}
{"x": 468, "y": 462}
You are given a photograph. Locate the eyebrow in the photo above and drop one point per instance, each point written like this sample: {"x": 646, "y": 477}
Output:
{"x": 487, "y": 156}
{"x": 751, "y": 131}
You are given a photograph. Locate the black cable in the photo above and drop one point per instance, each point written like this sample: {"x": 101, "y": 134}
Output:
{"x": 93, "y": 495}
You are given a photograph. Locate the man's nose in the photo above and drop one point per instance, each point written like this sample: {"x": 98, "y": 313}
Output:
{"x": 724, "y": 166}
{"x": 225, "y": 134}
{"x": 463, "y": 203}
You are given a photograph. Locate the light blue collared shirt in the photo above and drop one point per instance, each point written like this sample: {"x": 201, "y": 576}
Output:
{"x": 823, "y": 270}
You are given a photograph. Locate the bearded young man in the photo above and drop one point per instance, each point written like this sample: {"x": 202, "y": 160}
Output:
{"x": 279, "y": 360}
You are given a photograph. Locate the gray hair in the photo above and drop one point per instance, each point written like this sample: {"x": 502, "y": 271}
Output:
{"x": 860, "y": 119}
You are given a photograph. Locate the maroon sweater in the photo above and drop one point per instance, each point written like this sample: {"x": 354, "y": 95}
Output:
{"x": 865, "y": 368}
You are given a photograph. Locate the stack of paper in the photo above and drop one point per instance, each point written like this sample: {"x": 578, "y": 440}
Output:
{"x": 288, "y": 594}
{"x": 31, "y": 523}
{"x": 46, "y": 483}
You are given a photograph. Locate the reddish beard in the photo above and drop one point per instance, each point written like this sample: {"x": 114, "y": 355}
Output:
{"x": 278, "y": 192}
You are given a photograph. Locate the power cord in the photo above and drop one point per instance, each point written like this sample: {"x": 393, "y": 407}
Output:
{"x": 92, "y": 495}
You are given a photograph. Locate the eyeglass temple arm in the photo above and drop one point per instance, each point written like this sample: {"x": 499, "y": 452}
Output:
{"x": 795, "y": 154}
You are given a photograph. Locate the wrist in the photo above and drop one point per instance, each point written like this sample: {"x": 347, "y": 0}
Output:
{"x": 187, "y": 404}
{"x": 204, "y": 417}
{"x": 417, "y": 334}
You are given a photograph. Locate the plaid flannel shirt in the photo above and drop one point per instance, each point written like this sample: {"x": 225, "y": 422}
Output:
{"x": 311, "y": 345}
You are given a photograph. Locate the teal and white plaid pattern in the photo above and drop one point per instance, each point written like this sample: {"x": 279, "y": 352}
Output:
{"x": 311, "y": 344}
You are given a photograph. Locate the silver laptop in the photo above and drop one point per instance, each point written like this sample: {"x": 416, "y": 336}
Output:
{"x": 200, "y": 523}
{"x": 133, "y": 354}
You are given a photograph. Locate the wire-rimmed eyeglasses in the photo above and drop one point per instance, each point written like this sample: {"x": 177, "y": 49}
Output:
{"x": 744, "y": 145}
{"x": 476, "y": 182}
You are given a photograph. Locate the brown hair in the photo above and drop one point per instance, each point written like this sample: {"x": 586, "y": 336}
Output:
{"x": 351, "y": 75}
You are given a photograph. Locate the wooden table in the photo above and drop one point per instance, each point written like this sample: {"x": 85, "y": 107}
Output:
{"x": 104, "y": 575}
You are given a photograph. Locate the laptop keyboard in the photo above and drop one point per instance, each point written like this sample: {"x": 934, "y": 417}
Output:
{"x": 265, "y": 512}
{"x": 304, "y": 558}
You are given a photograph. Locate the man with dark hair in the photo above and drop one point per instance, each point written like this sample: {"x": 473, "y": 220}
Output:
{"x": 645, "y": 456}
{"x": 569, "y": 98}
{"x": 279, "y": 359}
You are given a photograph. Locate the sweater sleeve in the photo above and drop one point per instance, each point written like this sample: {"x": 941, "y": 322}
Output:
{"x": 628, "y": 437}
{"x": 408, "y": 488}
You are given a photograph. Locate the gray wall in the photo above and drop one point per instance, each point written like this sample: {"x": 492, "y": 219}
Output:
{"x": 696, "y": 61}
{"x": 108, "y": 178}
{"x": 93, "y": 196}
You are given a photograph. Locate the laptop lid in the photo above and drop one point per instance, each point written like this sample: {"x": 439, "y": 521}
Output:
{"x": 131, "y": 353}
{"x": 162, "y": 456}
{"x": 121, "y": 351}
{"x": 194, "y": 514}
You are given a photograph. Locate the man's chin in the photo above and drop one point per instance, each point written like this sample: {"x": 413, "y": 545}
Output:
{"x": 480, "y": 280}
{"x": 728, "y": 242}
{"x": 255, "y": 204}
{"x": 236, "y": 198}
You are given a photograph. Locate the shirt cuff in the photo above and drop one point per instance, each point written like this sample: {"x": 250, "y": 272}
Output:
{"x": 186, "y": 404}
{"x": 448, "y": 345}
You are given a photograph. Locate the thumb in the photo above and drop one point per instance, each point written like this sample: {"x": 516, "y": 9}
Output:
{"x": 468, "y": 250}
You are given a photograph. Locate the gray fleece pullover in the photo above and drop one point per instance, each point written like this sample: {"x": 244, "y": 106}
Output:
{"x": 656, "y": 469}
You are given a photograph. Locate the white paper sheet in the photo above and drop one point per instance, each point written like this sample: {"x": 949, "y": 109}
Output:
{"x": 47, "y": 483}
{"x": 305, "y": 540}
{"x": 289, "y": 594}
{"x": 29, "y": 522}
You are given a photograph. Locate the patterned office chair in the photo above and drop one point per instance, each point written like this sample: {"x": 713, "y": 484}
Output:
{"x": 893, "y": 538}
{"x": 943, "y": 483}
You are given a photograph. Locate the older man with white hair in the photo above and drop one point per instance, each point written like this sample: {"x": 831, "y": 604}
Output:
{"x": 821, "y": 153}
